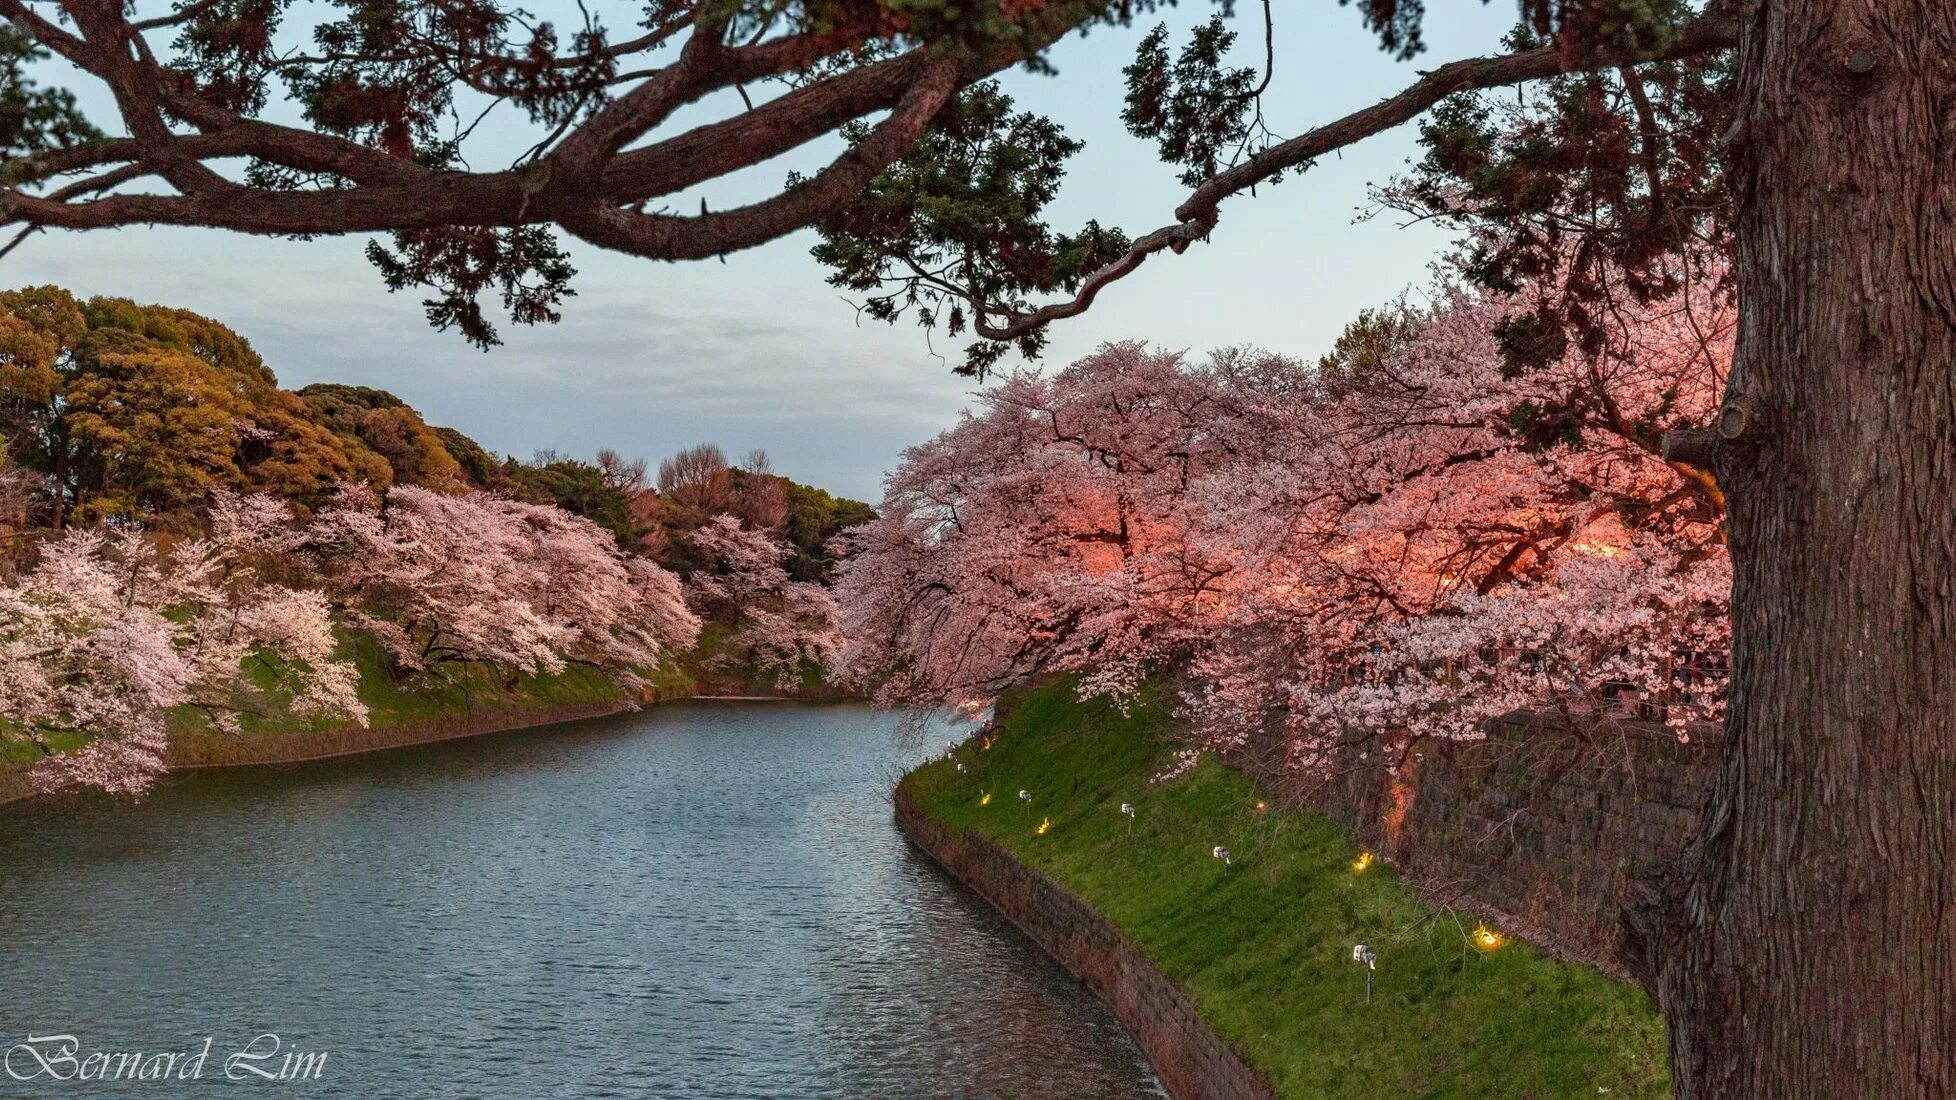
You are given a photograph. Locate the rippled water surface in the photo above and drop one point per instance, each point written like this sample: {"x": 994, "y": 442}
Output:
{"x": 696, "y": 901}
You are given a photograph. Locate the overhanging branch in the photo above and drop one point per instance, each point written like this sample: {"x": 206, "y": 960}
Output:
{"x": 1196, "y": 217}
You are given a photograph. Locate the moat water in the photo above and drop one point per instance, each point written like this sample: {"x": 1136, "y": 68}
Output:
{"x": 698, "y": 901}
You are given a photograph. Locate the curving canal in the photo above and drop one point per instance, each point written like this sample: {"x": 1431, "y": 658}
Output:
{"x": 697, "y": 901}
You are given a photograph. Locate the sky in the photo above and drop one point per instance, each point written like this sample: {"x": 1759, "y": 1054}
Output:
{"x": 759, "y": 352}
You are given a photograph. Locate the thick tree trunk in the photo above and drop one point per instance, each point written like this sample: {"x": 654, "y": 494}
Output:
{"x": 1808, "y": 948}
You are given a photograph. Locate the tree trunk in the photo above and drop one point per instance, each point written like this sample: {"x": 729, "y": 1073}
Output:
{"x": 60, "y": 484}
{"x": 1807, "y": 947}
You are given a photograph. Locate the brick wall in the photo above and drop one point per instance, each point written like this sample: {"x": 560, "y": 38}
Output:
{"x": 1535, "y": 826}
{"x": 1192, "y": 1062}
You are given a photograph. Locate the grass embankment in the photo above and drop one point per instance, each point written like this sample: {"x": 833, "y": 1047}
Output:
{"x": 453, "y": 701}
{"x": 1264, "y": 946}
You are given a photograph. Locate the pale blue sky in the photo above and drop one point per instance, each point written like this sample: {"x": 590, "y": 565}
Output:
{"x": 760, "y": 351}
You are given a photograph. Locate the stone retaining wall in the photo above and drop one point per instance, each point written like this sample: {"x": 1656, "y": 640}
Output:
{"x": 1538, "y": 826}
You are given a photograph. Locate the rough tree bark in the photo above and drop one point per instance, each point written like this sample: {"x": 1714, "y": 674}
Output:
{"x": 1807, "y": 946}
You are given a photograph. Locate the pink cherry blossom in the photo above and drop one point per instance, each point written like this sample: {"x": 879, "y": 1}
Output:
{"x": 478, "y": 577}
{"x": 777, "y": 627}
{"x": 110, "y": 632}
{"x": 1405, "y": 544}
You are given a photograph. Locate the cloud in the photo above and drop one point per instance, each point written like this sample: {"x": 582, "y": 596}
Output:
{"x": 759, "y": 351}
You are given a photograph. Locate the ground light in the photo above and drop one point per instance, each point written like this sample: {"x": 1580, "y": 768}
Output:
{"x": 1045, "y": 823}
{"x": 1365, "y": 956}
{"x": 1487, "y": 939}
{"x": 1221, "y": 853}
{"x": 985, "y": 798}
{"x": 1363, "y": 861}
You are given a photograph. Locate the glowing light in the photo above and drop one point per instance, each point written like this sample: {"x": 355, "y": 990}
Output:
{"x": 1487, "y": 939}
{"x": 1044, "y": 824}
{"x": 985, "y": 799}
{"x": 986, "y": 743}
{"x": 1025, "y": 796}
{"x": 1261, "y": 805}
{"x": 1363, "y": 861}
{"x": 1221, "y": 853}
{"x": 1127, "y": 809}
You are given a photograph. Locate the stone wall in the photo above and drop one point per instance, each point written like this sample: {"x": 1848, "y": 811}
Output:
{"x": 1535, "y": 826}
{"x": 216, "y": 750}
{"x": 1192, "y": 1062}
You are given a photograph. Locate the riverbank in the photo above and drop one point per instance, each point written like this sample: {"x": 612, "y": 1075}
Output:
{"x": 1262, "y": 946}
{"x": 708, "y": 900}
{"x": 465, "y": 701}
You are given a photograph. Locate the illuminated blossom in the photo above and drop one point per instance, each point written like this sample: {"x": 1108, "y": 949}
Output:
{"x": 1415, "y": 537}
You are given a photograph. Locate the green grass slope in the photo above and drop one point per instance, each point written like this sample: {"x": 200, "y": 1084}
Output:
{"x": 444, "y": 701}
{"x": 1264, "y": 946}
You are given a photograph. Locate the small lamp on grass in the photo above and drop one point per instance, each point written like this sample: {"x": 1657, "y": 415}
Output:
{"x": 1365, "y": 957}
{"x": 1221, "y": 853}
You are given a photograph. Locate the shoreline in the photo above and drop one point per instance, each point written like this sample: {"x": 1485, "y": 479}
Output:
{"x": 1187, "y": 1057}
{"x": 208, "y": 752}
{"x": 1116, "y": 858}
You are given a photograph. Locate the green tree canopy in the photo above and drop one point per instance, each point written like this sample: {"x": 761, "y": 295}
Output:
{"x": 414, "y": 453}
{"x": 132, "y": 411}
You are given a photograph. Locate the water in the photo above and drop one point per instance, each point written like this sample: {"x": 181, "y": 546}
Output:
{"x": 698, "y": 901}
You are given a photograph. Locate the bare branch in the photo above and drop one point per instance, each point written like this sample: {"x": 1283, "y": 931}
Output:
{"x": 1196, "y": 216}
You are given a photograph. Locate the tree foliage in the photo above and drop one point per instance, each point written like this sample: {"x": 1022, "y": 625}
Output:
{"x": 132, "y": 412}
{"x": 935, "y": 210}
{"x": 1389, "y": 543}
{"x": 957, "y": 224}
{"x": 1591, "y": 190}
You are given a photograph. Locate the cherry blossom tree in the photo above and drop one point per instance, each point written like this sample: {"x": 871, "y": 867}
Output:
{"x": 110, "y": 633}
{"x": 777, "y": 627}
{"x": 1409, "y": 540}
{"x": 477, "y": 577}
{"x": 1047, "y": 530}
{"x": 1428, "y": 536}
